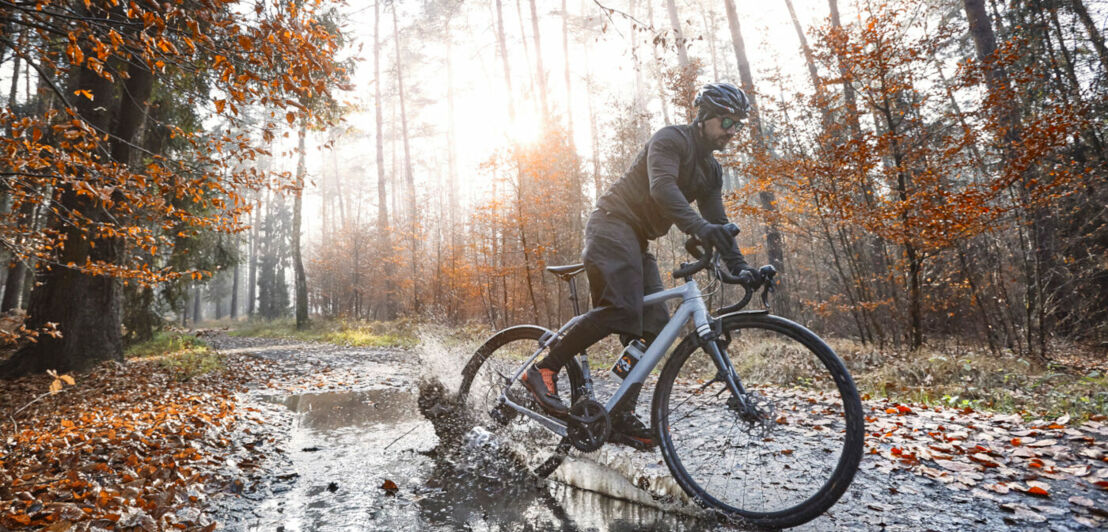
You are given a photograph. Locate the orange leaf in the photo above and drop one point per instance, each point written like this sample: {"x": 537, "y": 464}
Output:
{"x": 1038, "y": 491}
{"x": 903, "y": 409}
{"x": 1016, "y": 442}
{"x": 290, "y": 116}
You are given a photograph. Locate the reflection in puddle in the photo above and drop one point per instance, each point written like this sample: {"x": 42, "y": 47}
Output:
{"x": 481, "y": 489}
{"x": 329, "y": 411}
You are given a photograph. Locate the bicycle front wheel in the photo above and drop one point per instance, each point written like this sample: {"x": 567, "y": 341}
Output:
{"x": 486, "y": 376}
{"x": 786, "y": 464}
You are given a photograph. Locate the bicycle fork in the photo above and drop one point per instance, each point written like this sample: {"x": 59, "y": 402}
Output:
{"x": 725, "y": 372}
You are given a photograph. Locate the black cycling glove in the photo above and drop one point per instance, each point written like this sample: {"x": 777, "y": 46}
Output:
{"x": 717, "y": 236}
{"x": 747, "y": 276}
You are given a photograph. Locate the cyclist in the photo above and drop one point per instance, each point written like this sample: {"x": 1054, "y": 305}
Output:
{"x": 674, "y": 168}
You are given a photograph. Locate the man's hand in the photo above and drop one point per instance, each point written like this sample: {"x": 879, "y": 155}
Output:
{"x": 748, "y": 277}
{"x": 717, "y": 236}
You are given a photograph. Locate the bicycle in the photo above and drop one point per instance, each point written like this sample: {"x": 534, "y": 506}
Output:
{"x": 736, "y": 446}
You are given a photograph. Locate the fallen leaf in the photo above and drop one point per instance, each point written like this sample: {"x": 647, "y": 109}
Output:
{"x": 1081, "y": 501}
{"x": 999, "y": 487}
{"x": 1043, "y": 443}
{"x": 1091, "y": 523}
{"x": 390, "y": 487}
{"x": 983, "y": 459}
{"x": 1035, "y": 490}
{"x": 956, "y": 466}
{"x": 1022, "y": 511}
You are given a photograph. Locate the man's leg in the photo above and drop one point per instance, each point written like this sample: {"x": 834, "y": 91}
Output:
{"x": 624, "y": 421}
{"x": 613, "y": 264}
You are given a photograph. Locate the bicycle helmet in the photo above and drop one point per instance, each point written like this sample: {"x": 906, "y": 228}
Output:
{"x": 716, "y": 99}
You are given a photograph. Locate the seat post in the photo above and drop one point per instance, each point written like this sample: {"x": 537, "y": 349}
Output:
{"x": 573, "y": 296}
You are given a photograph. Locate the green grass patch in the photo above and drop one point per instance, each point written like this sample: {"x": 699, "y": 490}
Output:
{"x": 342, "y": 332}
{"x": 183, "y": 355}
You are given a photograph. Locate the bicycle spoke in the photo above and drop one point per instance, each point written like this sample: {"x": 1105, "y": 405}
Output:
{"x": 776, "y": 456}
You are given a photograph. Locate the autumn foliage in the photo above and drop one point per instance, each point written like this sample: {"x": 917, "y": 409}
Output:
{"x": 108, "y": 173}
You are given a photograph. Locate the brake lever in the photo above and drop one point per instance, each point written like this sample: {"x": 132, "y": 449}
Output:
{"x": 768, "y": 285}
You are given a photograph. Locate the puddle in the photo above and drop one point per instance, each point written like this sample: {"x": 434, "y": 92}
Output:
{"x": 337, "y": 449}
{"x": 329, "y": 411}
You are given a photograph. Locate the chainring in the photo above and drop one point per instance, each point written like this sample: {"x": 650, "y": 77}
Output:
{"x": 589, "y": 425}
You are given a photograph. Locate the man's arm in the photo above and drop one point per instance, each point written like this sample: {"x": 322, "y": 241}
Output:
{"x": 663, "y": 161}
{"x": 711, "y": 208}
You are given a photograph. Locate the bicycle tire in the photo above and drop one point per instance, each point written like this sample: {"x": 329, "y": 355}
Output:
{"x": 506, "y": 348}
{"x": 714, "y": 427}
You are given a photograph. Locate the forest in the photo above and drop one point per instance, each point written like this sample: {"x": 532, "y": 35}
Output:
{"x": 252, "y": 254}
{"x": 917, "y": 171}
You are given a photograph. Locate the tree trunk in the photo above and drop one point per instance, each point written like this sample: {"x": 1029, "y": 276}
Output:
{"x": 503, "y": 43}
{"x": 540, "y": 72}
{"x": 998, "y": 85}
{"x": 252, "y": 278}
{"x": 1095, "y": 35}
{"x": 88, "y": 309}
{"x": 384, "y": 242}
{"x": 569, "y": 89}
{"x": 774, "y": 244}
{"x": 849, "y": 97}
{"x": 662, "y": 100}
{"x": 679, "y": 36}
{"x": 409, "y": 179}
{"x": 235, "y": 292}
{"x": 197, "y": 305}
{"x": 594, "y": 137}
{"x": 526, "y": 47}
{"x": 297, "y": 256}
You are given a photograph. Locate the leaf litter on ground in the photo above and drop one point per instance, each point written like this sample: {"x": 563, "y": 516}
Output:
{"x": 128, "y": 445}
{"x": 1031, "y": 469}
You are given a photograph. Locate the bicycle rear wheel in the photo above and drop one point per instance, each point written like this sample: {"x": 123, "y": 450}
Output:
{"x": 484, "y": 378}
{"x": 783, "y": 467}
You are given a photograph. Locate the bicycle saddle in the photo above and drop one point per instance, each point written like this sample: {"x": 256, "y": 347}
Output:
{"x": 566, "y": 272}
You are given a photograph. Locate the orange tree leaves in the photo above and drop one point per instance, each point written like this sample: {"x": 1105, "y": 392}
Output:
{"x": 208, "y": 58}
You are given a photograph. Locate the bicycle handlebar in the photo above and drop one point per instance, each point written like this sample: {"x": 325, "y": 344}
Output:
{"x": 706, "y": 256}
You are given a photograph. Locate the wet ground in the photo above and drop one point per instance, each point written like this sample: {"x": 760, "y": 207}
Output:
{"x": 331, "y": 438}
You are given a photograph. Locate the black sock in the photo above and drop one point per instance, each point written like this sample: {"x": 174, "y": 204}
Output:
{"x": 583, "y": 334}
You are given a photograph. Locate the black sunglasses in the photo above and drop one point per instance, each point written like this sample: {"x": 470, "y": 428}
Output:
{"x": 728, "y": 123}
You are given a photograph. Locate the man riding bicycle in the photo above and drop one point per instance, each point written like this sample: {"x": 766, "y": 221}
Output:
{"x": 674, "y": 168}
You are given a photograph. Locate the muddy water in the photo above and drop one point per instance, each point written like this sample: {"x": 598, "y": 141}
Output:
{"x": 341, "y": 446}
{"x": 325, "y": 427}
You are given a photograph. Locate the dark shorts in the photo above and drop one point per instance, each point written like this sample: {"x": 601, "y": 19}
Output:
{"x": 620, "y": 273}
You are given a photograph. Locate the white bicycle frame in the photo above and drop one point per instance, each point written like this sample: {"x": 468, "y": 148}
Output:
{"x": 692, "y": 307}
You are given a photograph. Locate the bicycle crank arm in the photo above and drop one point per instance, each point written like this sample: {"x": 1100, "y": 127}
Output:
{"x": 554, "y": 425}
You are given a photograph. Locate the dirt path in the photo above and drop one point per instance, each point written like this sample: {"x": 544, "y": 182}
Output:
{"x": 333, "y": 439}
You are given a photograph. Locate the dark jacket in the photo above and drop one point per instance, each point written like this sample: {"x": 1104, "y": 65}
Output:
{"x": 673, "y": 170}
